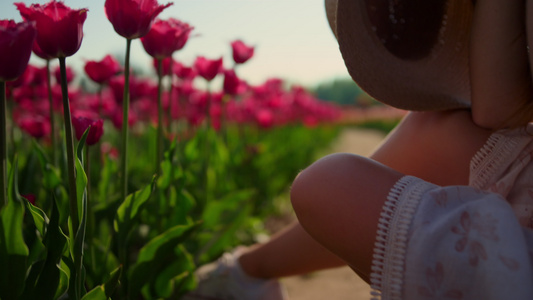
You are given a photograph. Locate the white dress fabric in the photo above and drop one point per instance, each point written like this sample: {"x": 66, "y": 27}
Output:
{"x": 462, "y": 242}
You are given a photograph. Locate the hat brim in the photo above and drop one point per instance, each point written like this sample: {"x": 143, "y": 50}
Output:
{"x": 436, "y": 80}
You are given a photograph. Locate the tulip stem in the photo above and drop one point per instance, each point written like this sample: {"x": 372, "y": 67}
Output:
{"x": 3, "y": 144}
{"x": 69, "y": 140}
{"x": 71, "y": 170}
{"x": 100, "y": 100}
{"x": 170, "y": 100}
{"x": 125, "y": 121}
{"x": 159, "y": 148}
{"x": 51, "y": 111}
{"x": 90, "y": 215}
{"x": 87, "y": 167}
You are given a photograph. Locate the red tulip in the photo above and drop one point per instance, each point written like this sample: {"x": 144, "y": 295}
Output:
{"x": 30, "y": 197}
{"x": 165, "y": 65}
{"x": 102, "y": 71}
{"x": 108, "y": 150}
{"x": 95, "y": 133}
{"x": 70, "y": 74}
{"x": 133, "y": 18}
{"x": 35, "y": 125}
{"x": 185, "y": 88}
{"x": 37, "y": 51}
{"x": 232, "y": 83}
{"x": 207, "y": 68}
{"x": 118, "y": 120}
{"x": 264, "y": 118}
{"x": 31, "y": 76}
{"x": 59, "y": 28}
{"x": 184, "y": 72}
{"x": 139, "y": 87}
{"x": 241, "y": 52}
{"x": 165, "y": 37}
{"x": 16, "y": 40}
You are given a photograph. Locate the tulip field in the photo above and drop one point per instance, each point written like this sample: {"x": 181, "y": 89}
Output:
{"x": 123, "y": 190}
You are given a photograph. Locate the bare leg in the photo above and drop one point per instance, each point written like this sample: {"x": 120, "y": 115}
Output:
{"x": 434, "y": 146}
{"x": 292, "y": 251}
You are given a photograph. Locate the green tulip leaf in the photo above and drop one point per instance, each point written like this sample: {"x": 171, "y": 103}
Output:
{"x": 64, "y": 278}
{"x": 154, "y": 257}
{"x": 51, "y": 175}
{"x": 81, "y": 143}
{"x": 13, "y": 249}
{"x": 113, "y": 281}
{"x": 104, "y": 291}
{"x": 128, "y": 210}
{"x": 105, "y": 183}
{"x": 224, "y": 210}
{"x": 98, "y": 293}
{"x": 49, "y": 280}
{"x": 81, "y": 185}
{"x": 39, "y": 217}
{"x": 165, "y": 286}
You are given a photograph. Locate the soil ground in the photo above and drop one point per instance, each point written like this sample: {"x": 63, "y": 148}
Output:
{"x": 340, "y": 283}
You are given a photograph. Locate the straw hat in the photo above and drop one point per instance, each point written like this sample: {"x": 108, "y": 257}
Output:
{"x": 408, "y": 54}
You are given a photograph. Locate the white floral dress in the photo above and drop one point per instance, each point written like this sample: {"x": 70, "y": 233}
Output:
{"x": 462, "y": 242}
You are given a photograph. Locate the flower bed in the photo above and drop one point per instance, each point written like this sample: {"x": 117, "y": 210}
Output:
{"x": 97, "y": 207}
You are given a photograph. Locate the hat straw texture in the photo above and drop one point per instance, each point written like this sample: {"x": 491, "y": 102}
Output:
{"x": 410, "y": 54}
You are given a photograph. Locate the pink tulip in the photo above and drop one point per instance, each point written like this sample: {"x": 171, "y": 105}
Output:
{"x": 165, "y": 37}
{"x": 166, "y": 64}
{"x": 59, "y": 28}
{"x": 37, "y": 51}
{"x": 232, "y": 84}
{"x": 32, "y": 76}
{"x": 241, "y": 52}
{"x": 35, "y": 125}
{"x": 30, "y": 197}
{"x": 70, "y": 74}
{"x": 133, "y": 18}
{"x": 102, "y": 71}
{"x": 183, "y": 72}
{"x": 16, "y": 40}
{"x": 265, "y": 118}
{"x": 95, "y": 133}
{"x": 208, "y": 68}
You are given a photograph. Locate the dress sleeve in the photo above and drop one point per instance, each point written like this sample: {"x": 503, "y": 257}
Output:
{"x": 453, "y": 242}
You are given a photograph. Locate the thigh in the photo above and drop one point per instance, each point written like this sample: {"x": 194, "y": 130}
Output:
{"x": 434, "y": 146}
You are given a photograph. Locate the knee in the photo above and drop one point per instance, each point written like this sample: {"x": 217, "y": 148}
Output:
{"x": 317, "y": 187}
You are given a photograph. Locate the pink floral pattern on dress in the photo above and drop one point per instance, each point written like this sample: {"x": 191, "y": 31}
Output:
{"x": 509, "y": 262}
{"x": 434, "y": 280}
{"x": 485, "y": 225}
{"x": 441, "y": 197}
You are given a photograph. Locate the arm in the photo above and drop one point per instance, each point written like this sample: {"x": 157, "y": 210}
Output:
{"x": 434, "y": 146}
{"x": 499, "y": 68}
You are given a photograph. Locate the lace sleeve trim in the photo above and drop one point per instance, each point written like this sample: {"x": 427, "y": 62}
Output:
{"x": 489, "y": 159}
{"x": 390, "y": 248}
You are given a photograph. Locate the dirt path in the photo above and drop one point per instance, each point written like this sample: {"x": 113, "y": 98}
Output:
{"x": 340, "y": 283}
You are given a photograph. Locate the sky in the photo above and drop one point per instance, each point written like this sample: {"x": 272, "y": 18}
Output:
{"x": 292, "y": 38}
